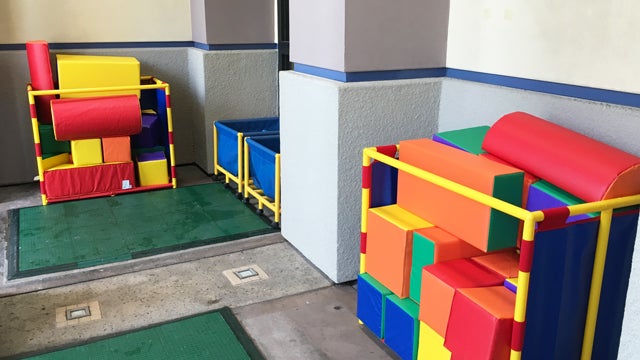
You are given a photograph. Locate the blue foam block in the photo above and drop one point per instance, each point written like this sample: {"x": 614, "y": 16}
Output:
{"x": 559, "y": 291}
{"x": 370, "y": 305}
{"x": 615, "y": 282}
{"x": 384, "y": 184}
{"x": 401, "y": 327}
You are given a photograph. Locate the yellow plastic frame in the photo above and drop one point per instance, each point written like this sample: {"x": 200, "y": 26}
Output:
{"x": 157, "y": 84}
{"x": 251, "y": 190}
{"x": 217, "y": 168}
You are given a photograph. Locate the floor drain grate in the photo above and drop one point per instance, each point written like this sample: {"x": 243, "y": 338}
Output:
{"x": 78, "y": 313}
{"x": 244, "y": 274}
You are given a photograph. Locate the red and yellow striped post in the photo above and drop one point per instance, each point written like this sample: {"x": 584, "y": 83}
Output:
{"x": 172, "y": 156}
{"x": 36, "y": 142}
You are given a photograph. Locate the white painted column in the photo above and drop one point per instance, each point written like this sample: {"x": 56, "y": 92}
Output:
{"x": 325, "y": 123}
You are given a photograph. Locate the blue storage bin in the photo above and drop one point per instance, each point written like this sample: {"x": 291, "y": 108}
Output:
{"x": 262, "y": 162}
{"x": 227, "y": 139}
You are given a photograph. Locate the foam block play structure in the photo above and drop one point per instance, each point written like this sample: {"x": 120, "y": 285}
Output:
{"x": 519, "y": 251}
{"x": 106, "y": 130}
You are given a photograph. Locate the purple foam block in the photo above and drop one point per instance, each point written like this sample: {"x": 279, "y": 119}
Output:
{"x": 150, "y": 134}
{"x": 151, "y": 156}
{"x": 440, "y": 140}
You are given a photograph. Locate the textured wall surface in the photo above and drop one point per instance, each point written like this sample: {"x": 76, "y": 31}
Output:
{"x": 18, "y": 162}
{"x": 390, "y": 35}
{"x": 573, "y": 42}
{"x": 230, "y": 85}
{"x": 94, "y": 21}
{"x": 324, "y": 127}
{"x": 239, "y": 21}
{"x": 317, "y": 33}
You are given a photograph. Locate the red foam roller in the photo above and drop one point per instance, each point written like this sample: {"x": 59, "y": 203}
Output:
{"x": 96, "y": 117}
{"x": 41, "y": 77}
{"x": 585, "y": 167}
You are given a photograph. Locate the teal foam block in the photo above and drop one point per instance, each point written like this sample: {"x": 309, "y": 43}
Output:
{"x": 468, "y": 139}
{"x": 422, "y": 255}
{"x": 48, "y": 142}
{"x": 370, "y": 305}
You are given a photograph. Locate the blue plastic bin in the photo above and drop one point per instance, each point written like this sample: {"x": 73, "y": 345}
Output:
{"x": 262, "y": 162}
{"x": 227, "y": 140}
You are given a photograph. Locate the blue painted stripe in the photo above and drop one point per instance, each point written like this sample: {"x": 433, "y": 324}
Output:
{"x": 215, "y": 47}
{"x": 147, "y": 44}
{"x": 575, "y": 91}
{"x": 120, "y": 45}
{"x": 359, "y": 76}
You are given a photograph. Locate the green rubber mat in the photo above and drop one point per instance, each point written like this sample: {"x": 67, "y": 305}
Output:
{"x": 214, "y": 335}
{"x": 84, "y": 233}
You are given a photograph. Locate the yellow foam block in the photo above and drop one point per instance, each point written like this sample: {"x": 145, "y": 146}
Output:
{"x": 431, "y": 345}
{"x": 153, "y": 172}
{"x": 54, "y": 161}
{"x": 87, "y": 71}
{"x": 86, "y": 152}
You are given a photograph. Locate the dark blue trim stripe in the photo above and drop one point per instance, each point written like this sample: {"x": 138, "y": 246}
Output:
{"x": 547, "y": 87}
{"x": 148, "y": 44}
{"x": 359, "y": 76}
{"x": 215, "y": 47}
{"x": 575, "y": 91}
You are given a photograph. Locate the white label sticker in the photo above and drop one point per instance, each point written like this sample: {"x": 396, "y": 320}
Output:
{"x": 126, "y": 184}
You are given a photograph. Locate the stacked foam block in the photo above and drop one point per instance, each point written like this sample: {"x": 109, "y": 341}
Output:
{"x": 440, "y": 270}
{"x": 86, "y": 137}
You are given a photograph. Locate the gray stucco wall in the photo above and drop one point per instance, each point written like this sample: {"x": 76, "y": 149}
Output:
{"x": 325, "y": 125}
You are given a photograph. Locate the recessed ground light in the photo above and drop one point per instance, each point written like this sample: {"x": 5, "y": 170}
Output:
{"x": 77, "y": 313}
{"x": 245, "y": 274}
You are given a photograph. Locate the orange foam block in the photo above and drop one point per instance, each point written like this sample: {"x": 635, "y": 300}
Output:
{"x": 431, "y": 246}
{"x": 439, "y": 283}
{"x": 478, "y": 224}
{"x": 481, "y": 323}
{"x": 116, "y": 149}
{"x": 503, "y": 262}
{"x": 389, "y": 244}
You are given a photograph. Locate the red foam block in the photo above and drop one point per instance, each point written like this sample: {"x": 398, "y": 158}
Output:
{"x": 96, "y": 117}
{"x": 481, "y": 323}
{"x": 72, "y": 182}
{"x": 580, "y": 165}
{"x": 41, "y": 77}
{"x": 439, "y": 283}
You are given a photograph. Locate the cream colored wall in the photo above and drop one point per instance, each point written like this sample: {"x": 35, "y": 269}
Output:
{"x": 591, "y": 43}
{"x": 94, "y": 20}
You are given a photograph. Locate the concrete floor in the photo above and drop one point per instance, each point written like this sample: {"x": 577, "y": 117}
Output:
{"x": 294, "y": 313}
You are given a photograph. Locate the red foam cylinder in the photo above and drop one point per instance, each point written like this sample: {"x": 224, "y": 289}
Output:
{"x": 41, "y": 77}
{"x": 96, "y": 117}
{"x": 585, "y": 167}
